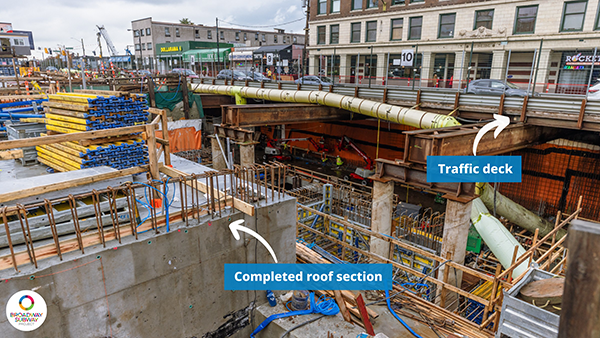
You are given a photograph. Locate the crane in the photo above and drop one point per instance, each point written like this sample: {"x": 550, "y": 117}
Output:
{"x": 274, "y": 147}
{"x": 361, "y": 174}
{"x": 104, "y": 33}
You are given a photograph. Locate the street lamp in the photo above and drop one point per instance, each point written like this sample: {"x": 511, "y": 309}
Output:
{"x": 140, "y": 44}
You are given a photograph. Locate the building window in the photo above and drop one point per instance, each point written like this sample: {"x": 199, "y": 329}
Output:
{"x": 245, "y": 36}
{"x": 355, "y": 32}
{"x": 143, "y": 46}
{"x": 371, "y": 31}
{"x": 209, "y": 34}
{"x": 256, "y": 37}
{"x": 141, "y": 32}
{"x": 137, "y": 46}
{"x": 334, "y": 34}
{"x": 414, "y": 31}
{"x": 221, "y": 35}
{"x": 484, "y": 18}
{"x": 398, "y": 2}
{"x": 177, "y": 32}
{"x": 136, "y": 33}
{"x": 197, "y": 33}
{"x": 335, "y": 6}
{"x": 295, "y": 39}
{"x": 167, "y": 31}
{"x": 148, "y": 31}
{"x": 237, "y": 36}
{"x": 357, "y": 4}
{"x": 446, "y": 29}
{"x": 321, "y": 35}
{"x": 149, "y": 45}
{"x": 371, "y": 3}
{"x": 264, "y": 38}
{"x": 274, "y": 38}
{"x": 416, "y": 1}
{"x": 322, "y": 9}
{"x": 396, "y": 32}
{"x": 573, "y": 16}
{"x": 525, "y": 20}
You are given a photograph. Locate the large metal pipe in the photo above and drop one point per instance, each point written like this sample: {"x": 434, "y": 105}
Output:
{"x": 407, "y": 116}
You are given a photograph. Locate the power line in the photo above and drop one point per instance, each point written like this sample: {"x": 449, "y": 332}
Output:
{"x": 269, "y": 26}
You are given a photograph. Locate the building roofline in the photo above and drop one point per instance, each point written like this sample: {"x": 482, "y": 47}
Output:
{"x": 142, "y": 19}
{"x": 224, "y": 28}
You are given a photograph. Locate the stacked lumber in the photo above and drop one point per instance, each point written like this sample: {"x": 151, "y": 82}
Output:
{"x": 94, "y": 110}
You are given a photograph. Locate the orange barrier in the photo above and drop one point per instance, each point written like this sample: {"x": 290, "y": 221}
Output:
{"x": 183, "y": 139}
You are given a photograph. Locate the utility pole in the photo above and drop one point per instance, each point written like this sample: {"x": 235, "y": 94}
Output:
{"x": 218, "y": 37}
{"x": 305, "y": 52}
{"x": 83, "y": 65}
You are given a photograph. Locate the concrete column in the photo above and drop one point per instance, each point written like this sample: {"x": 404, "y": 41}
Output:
{"x": 460, "y": 69}
{"x": 218, "y": 159}
{"x": 313, "y": 64}
{"x": 247, "y": 154}
{"x": 427, "y": 69}
{"x": 499, "y": 58}
{"x": 344, "y": 68}
{"x": 454, "y": 240}
{"x": 381, "y": 62}
{"x": 543, "y": 71}
{"x": 381, "y": 216}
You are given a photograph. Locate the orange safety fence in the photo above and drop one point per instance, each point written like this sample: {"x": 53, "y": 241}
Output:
{"x": 183, "y": 139}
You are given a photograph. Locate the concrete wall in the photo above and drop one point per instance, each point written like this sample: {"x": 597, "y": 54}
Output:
{"x": 170, "y": 285}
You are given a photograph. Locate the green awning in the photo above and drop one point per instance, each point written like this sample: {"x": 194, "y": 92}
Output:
{"x": 206, "y": 55}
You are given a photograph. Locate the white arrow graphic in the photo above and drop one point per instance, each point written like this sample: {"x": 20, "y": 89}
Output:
{"x": 501, "y": 122}
{"x": 237, "y": 226}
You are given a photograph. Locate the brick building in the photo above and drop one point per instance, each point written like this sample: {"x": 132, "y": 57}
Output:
{"x": 442, "y": 34}
{"x": 147, "y": 34}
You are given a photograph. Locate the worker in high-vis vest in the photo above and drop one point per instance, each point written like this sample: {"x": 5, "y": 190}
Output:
{"x": 339, "y": 162}
{"x": 323, "y": 157}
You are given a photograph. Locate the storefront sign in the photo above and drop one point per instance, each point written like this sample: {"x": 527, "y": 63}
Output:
{"x": 581, "y": 60}
{"x": 170, "y": 49}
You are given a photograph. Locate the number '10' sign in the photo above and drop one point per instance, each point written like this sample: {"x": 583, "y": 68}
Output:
{"x": 407, "y": 57}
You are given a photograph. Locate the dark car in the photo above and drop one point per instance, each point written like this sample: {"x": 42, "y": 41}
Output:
{"x": 187, "y": 72}
{"x": 237, "y": 75}
{"x": 315, "y": 80}
{"x": 255, "y": 76}
{"x": 495, "y": 87}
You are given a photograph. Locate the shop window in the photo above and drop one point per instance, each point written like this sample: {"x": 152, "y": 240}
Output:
{"x": 335, "y": 6}
{"x": 322, "y": 8}
{"x": 484, "y": 18}
{"x": 321, "y": 35}
{"x": 357, "y": 4}
{"x": 167, "y": 31}
{"x": 525, "y": 19}
{"x": 334, "y": 34}
{"x": 414, "y": 31}
{"x": 573, "y": 16}
{"x": 371, "y": 31}
{"x": 355, "y": 32}
{"x": 396, "y": 30}
{"x": 446, "y": 29}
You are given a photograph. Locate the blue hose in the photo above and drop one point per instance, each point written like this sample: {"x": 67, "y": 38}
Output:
{"x": 387, "y": 299}
{"x": 325, "y": 306}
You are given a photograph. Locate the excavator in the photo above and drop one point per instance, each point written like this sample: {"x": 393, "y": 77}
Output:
{"x": 275, "y": 147}
{"x": 360, "y": 174}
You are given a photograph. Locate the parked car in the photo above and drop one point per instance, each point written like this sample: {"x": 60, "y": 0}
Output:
{"x": 495, "y": 87}
{"x": 187, "y": 72}
{"x": 255, "y": 76}
{"x": 51, "y": 69}
{"x": 594, "y": 92}
{"x": 237, "y": 75}
{"x": 315, "y": 80}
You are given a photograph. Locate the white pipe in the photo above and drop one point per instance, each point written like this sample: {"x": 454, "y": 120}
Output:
{"x": 407, "y": 116}
{"x": 500, "y": 241}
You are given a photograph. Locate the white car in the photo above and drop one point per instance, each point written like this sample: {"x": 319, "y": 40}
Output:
{"x": 594, "y": 92}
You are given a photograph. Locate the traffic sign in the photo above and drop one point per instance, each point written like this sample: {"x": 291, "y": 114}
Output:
{"x": 407, "y": 57}
{"x": 269, "y": 59}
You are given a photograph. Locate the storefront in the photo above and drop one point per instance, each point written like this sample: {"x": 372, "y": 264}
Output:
{"x": 574, "y": 71}
{"x": 273, "y": 59}
{"x": 207, "y": 62}
{"x": 171, "y": 55}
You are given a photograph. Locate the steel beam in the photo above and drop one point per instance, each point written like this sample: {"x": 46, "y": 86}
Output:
{"x": 282, "y": 113}
{"x": 235, "y": 134}
{"x": 211, "y": 101}
{"x": 458, "y": 141}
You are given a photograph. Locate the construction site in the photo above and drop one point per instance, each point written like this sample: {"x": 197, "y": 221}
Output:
{"x": 127, "y": 202}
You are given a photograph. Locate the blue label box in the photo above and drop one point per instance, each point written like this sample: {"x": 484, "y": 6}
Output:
{"x": 473, "y": 169}
{"x": 308, "y": 277}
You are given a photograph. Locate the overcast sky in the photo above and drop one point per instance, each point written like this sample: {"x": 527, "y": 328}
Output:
{"x": 65, "y": 21}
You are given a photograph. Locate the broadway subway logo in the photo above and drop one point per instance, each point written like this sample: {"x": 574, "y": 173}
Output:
{"x": 26, "y": 310}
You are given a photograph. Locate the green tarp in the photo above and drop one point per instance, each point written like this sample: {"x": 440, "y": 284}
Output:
{"x": 169, "y": 99}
